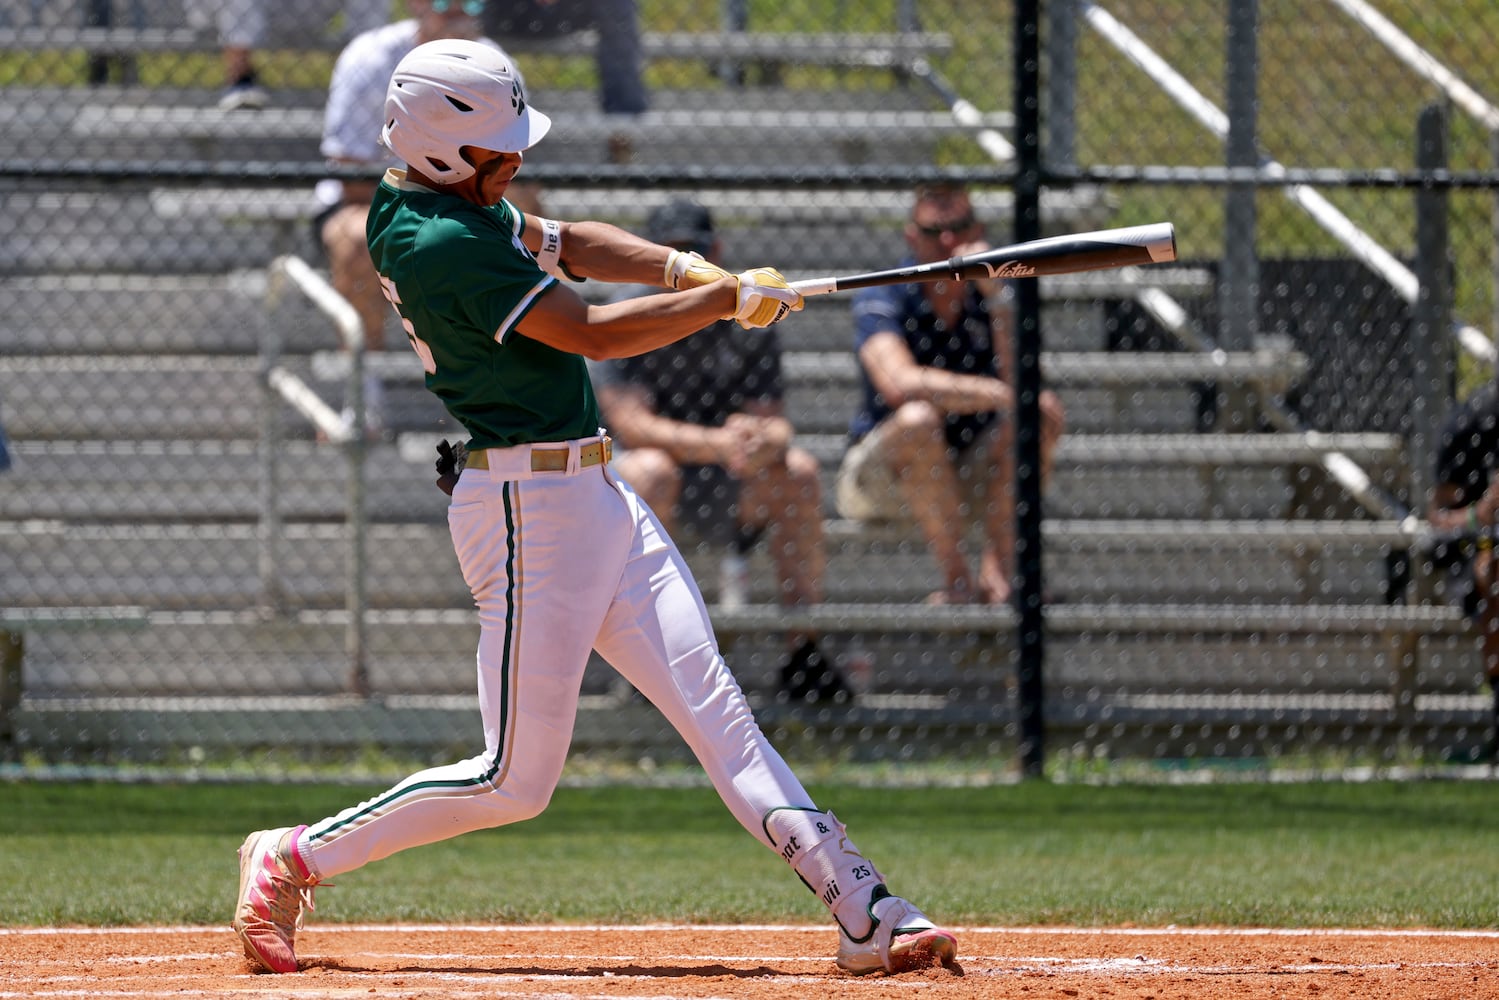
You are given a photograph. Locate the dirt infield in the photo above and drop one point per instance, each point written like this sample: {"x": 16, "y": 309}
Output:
{"x": 752, "y": 963}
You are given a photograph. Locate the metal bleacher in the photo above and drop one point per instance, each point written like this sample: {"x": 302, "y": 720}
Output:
{"x": 133, "y": 316}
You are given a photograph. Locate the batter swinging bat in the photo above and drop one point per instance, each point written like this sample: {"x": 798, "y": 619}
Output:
{"x": 1097, "y": 251}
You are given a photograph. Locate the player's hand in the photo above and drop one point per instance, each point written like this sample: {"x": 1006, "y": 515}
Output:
{"x": 689, "y": 269}
{"x": 764, "y": 298}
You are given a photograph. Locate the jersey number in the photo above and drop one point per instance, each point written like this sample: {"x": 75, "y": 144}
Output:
{"x": 417, "y": 344}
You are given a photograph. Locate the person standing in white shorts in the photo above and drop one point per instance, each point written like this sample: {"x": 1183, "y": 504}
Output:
{"x": 560, "y": 556}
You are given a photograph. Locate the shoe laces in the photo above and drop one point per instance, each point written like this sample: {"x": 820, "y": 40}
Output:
{"x": 288, "y": 902}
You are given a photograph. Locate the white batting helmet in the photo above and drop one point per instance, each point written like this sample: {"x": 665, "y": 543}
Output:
{"x": 452, "y": 93}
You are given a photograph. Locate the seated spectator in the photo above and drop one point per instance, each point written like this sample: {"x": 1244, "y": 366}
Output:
{"x": 351, "y": 136}
{"x": 934, "y": 440}
{"x": 617, "y": 55}
{"x": 242, "y": 27}
{"x": 704, "y": 439}
{"x": 1464, "y": 502}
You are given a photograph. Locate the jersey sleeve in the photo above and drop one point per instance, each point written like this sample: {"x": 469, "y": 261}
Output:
{"x": 877, "y": 309}
{"x": 484, "y": 270}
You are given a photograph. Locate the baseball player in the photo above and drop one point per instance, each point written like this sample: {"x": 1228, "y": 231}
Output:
{"x": 561, "y": 557}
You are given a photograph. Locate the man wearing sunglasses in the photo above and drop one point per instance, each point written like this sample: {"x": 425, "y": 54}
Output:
{"x": 934, "y": 440}
{"x": 352, "y": 120}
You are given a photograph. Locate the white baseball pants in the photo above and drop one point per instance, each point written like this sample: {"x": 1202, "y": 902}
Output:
{"x": 560, "y": 563}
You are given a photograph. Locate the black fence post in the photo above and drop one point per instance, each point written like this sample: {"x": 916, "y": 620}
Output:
{"x": 1431, "y": 339}
{"x": 1031, "y": 641}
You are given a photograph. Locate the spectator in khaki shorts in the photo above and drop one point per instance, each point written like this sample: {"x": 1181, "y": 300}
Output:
{"x": 934, "y": 440}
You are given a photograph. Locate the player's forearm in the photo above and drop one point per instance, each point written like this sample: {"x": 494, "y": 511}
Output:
{"x": 605, "y": 252}
{"x": 634, "y": 326}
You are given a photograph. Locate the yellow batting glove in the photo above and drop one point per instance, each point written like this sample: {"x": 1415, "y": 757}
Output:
{"x": 688, "y": 269}
{"x": 764, "y": 298}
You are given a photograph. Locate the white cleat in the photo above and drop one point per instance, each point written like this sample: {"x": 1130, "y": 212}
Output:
{"x": 902, "y": 939}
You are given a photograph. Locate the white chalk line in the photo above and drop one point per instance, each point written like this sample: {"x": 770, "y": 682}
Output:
{"x": 495, "y": 984}
{"x": 997, "y": 965}
{"x": 1166, "y": 931}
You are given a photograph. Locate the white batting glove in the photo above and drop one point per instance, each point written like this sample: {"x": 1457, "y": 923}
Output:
{"x": 764, "y": 298}
{"x": 688, "y": 269}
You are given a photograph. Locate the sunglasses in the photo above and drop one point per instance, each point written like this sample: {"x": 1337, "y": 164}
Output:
{"x": 956, "y": 226}
{"x": 473, "y": 8}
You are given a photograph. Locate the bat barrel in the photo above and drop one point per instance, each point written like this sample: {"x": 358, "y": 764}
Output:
{"x": 1108, "y": 248}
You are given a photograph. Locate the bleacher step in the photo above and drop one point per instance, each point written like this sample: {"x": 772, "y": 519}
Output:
{"x": 223, "y": 565}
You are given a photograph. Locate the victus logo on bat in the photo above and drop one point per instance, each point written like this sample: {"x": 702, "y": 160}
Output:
{"x": 1010, "y": 269}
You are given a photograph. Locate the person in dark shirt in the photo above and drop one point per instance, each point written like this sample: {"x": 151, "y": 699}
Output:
{"x": 705, "y": 440}
{"x": 934, "y": 440}
{"x": 1465, "y": 502}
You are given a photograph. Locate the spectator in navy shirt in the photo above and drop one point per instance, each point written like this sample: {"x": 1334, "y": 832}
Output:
{"x": 934, "y": 440}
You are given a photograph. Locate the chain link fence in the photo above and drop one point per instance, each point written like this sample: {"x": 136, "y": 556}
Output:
{"x": 204, "y": 562}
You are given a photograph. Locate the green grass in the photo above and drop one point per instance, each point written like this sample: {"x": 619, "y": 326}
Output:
{"x": 1377, "y": 854}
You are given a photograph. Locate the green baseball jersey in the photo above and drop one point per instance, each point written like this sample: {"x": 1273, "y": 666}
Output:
{"x": 461, "y": 279}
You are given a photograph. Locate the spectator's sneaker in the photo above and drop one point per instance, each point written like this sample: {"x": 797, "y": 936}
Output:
{"x": 902, "y": 939}
{"x": 244, "y": 94}
{"x": 807, "y": 676}
{"x": 272, "y": 894}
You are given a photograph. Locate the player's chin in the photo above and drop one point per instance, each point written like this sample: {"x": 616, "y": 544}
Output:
{"x": 494, "y": 190}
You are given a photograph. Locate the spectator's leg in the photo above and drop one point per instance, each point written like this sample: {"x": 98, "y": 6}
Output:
{"x": 620, "y": 60}
{"x": 352, "y": 274}
{"x": 1494, "y": 722}
{"x": 1053, "y": 424}
{"x": 913, "y": 443}
{"x": 787, "y": 499}
{"x": 735, "y": 14}
{"x": 657, "y": 478}
{"x": 1486, "y": 584}
{"x": 96, "y": 14}
{"x": 241, "y": 27}
{"x": 997, "y": 565}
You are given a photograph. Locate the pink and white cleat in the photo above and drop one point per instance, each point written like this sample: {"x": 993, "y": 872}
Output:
{"x": 273, "y": 891}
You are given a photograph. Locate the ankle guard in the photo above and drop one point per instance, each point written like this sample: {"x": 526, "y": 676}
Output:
{"x": 817, "y": 848}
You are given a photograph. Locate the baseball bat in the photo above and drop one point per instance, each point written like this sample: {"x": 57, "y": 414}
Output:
{"x": 1096, "y": 251}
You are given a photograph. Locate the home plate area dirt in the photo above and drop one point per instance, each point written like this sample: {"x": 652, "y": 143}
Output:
{"x": 752, "y": 963}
